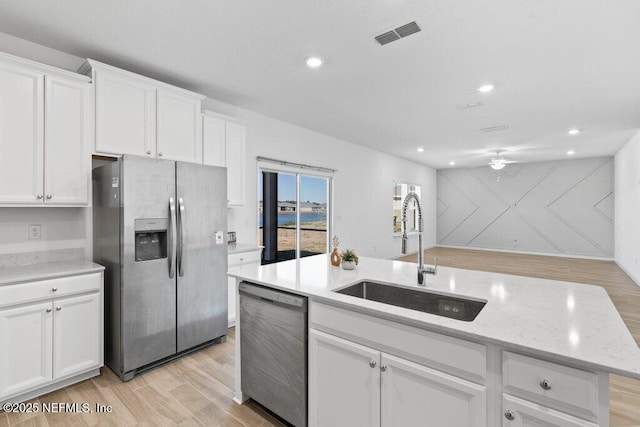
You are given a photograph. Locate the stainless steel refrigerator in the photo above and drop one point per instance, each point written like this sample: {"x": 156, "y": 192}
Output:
{"x": 160, "y": 229}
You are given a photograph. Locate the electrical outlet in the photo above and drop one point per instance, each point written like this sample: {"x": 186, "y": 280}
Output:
{"x": 34, "y": 231}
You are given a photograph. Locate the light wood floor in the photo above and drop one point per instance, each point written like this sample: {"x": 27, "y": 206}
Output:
{"x": 625, "y": 294}
{"x": 197, "y": 390}
{"x": 193, "y": 391}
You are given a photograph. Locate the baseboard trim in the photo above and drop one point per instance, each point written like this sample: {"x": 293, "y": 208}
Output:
{"x": 527, "y": 252}
{"x": 635, "y": 280}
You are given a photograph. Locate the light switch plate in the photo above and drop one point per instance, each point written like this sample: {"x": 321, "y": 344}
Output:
{"x": 219, "y": 238}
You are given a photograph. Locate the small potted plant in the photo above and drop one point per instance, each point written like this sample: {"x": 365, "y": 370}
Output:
{"x": 349, "y": 259}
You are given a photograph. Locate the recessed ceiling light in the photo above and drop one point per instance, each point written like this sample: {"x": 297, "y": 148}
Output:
{"x": 314, "y": 62}
{"x": 574, "y": 131}
{"x": 485, "y": 88}
{"x": 420, "y": 149}
{"x": 571, "y": 152}
{"x": 452, "y": 163}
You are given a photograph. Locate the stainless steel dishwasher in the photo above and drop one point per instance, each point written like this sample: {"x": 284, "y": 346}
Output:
{"x": 273, "y": 350}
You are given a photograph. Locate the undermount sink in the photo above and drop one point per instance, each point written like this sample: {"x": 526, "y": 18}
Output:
{"x": 428, "y": 302}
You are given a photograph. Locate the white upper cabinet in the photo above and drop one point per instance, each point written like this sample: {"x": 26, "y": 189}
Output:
{"x": 44, "y": 135}
{"x": 21, "y": 135}
{"x": 141, "y": 116}
{"x": 213, "y": 141}
{"x": 67, "y": 153}
{"x": 179, "y": 130}
{"x": 224, "y": 144}
{"x": 125, "y": 113}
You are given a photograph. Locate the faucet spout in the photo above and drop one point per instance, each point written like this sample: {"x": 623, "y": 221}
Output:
{"x": 405, "y": 205}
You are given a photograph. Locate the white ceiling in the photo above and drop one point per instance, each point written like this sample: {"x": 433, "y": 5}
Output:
{"x": 556, "y": 65}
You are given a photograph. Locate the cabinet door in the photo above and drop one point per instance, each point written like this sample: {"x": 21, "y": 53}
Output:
{"x": 77, "y": 335}
{"x": 213, "y": 141}
{"x": 235, "y": 136}
{"x": 179, "y": 126}
{"x": 25, "y": 348}
{"x": 412, "y": 393}
{"x": 344, "y": 382}
{"x": 67, "y": 151}
{"x": 21, "y": 136}
{"x": 522, "y": 413}
{"x": 125, "y": 114}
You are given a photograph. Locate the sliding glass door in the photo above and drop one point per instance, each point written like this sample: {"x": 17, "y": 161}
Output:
{"x": 293, "y": 214}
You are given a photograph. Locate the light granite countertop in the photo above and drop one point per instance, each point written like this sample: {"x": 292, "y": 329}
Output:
{"x": 567, "y": 322}
{"x": 238, "y": 248}
{"x": 50, "y": 270}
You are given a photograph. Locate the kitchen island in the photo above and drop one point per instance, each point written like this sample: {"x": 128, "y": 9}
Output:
{"x": 539, "y": 351}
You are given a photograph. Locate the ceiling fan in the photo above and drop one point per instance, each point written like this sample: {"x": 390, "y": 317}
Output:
{"x": 498, "y": 162}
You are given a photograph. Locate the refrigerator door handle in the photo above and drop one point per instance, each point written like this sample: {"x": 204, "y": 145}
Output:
{"x": 181, "y": 235}
{"x": 172, "y": 237}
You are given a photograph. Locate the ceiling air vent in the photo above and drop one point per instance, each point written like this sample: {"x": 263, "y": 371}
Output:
{"x": 495, "y": 128}
{"x": 397, "y": 33}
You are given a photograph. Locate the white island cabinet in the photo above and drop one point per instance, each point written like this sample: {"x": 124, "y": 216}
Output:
{"x": 528, "y": 358}
{"x": 45, "y": 137}
{"x": 50, "y": 330}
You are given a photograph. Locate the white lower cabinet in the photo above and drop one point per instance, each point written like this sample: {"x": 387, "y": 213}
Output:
{"x": 52, "y": 342}
{"x": 521, "y": 413}
{"x": 239, "y": 260}
{"x": 76, "y": 332}
{"x": 351, "y": 384}
{"x": 344, "y": 382}
{"x": 26, "y": 343}
{"x": 412, "y": 392}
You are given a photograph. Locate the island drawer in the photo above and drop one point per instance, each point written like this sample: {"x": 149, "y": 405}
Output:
{"x": 557, "y": 386}
{"x": 244, "y": 258}
{"x": 459, "y": 357}
{"x": 49, "y": 289}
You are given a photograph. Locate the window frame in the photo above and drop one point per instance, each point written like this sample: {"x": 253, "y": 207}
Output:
{"x": 404, "y": 190}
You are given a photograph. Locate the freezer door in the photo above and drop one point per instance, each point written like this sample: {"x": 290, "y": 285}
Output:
{"x": 148, "y": 291}
{"x": 202, "y": 253}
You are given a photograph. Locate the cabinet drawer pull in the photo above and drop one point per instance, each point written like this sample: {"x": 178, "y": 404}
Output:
{"x": 510, "y": 415}
{"x": 373, "y": 363}
{"x": 383, "y": 368}
{"x": 39, "y": 196}
{"x": 160, "y": 154}
{"x": 48, "y": 310}
{"x": 149, "y": 152}
{"x": 58, "y": 308}
{"x": 49, "y": 197}
{"x": 54, "y": 289}
{"x": 546, "y": 385}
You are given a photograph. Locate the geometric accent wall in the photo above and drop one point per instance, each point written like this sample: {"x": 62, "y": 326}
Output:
{"x": 557, "y": 207}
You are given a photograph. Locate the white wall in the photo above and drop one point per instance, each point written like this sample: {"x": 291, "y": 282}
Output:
{"x": 627, "y": 229}
{"x": 362, "y": 184}
{"x": 558, "y": 207}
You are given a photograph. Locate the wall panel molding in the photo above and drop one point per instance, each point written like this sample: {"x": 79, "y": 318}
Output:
{"x": 560, "y": 207}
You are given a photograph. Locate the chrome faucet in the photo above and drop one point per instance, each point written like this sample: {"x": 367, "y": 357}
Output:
{"x": 422, "y": 270}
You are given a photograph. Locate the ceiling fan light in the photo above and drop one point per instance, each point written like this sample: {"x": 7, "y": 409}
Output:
{"x": 497, "y": 165}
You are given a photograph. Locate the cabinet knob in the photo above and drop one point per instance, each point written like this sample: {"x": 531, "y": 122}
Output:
{"x": 373, "y": 363}
{"x": 160, "y": 154}
{"x": 48, "y": 310}
{"x": 49, "y": 196}
{"x": 510, "y": 415}
{"x": 54, "y": 289}
{"x": 58, "y": 308}
{"x": 383, "y": 368}
{"x": 39, "y": 196}
{"x": 149, "y": 152}
{"x": 546, "y": 385}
